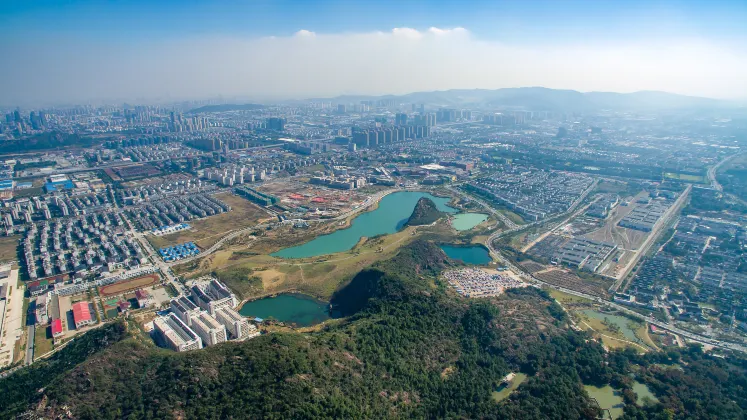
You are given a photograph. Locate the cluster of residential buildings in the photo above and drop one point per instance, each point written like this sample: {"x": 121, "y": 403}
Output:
{"x": 533, "y": 193}
{"x": 158, "y": 152}
{"x": 697, "y": 265}
{"x": 161, "y": 190}
{"x": 205, "y": 319}
{"x": 340, "y": 182}
{"x": 92, "y": 243}
{"x": 175, "y": 210}
{"x": 231, "y": 175}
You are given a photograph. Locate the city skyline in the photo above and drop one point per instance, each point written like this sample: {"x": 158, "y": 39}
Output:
{"x": 271, "y": 51}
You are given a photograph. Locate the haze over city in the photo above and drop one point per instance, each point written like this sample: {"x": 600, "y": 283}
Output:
{"x": 81, "y": 51}
{"x": 373, "y": 209}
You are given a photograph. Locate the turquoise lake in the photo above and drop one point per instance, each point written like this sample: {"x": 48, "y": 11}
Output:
{"x": 290, "y": 308}
{"x": 475, "y": 254}
{"x": 389, "y": 217}
{"x": 466, "y": 221}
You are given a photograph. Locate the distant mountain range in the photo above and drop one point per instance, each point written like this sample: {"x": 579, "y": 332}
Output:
{"x": 530, "y": 98}
{"x": 541, "y": 99}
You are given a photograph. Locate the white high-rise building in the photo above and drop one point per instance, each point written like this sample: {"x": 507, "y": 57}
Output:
{"x": 175, "y": 334}
{"x": 184, "y": 309}
{"x": 237, "y": 325}
{"x": 214, "y": 295}
{"x": 209, "y": 329}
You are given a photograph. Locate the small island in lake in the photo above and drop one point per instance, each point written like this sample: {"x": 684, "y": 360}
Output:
{"x": 425, "y": 213}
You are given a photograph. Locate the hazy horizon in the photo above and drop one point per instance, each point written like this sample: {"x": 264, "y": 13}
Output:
{"x": 66, "y": 54}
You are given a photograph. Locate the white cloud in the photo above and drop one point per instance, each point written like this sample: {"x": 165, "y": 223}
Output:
{"x": 407, "y": 33}
{"x": 315, "y": 64}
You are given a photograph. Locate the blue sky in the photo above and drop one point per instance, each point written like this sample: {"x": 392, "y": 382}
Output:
{"x": 594, "y": 27}
{"x": 502, "y": 20}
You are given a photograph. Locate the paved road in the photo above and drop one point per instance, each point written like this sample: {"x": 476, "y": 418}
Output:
{"x": 533, "y": 280}
{"x": 663, "y": 325}
{"x": 570, "y": 210}
{"x": 31, "y": 334}
{"x": 506, "y": 221}
{"x": 652, "y": 237}
{"x": 563, "y": 222}
{"x": 713, "y": 169}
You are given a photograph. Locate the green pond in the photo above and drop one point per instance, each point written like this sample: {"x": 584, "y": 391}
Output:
{"x": 611, "y": 398}
{"x": 608, "y": 398}
{"x": 290, "y": 308}
{"x": 389, "y": 217}
{"x": 642, "y": 391}
{"x": 618, "y": 320}
{"x": 475, "y": 254}
{"x": 466, "y": 221}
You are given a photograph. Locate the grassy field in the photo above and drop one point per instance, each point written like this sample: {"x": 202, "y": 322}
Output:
{"x": 610, "y": 338}
{"x": 512, "y": 216}
{"x": 9, "y": 248}
{"x": 318, "y": 276}
{"x": 565, "y": 298}
{"x": 124, "y": 286}
{"x": 206, "y": 232}
{"x": 42, "y": 341}
{"x": 501, "y": 395}
{"x": 684, "y": 177}
{"x": 642, "y": 333}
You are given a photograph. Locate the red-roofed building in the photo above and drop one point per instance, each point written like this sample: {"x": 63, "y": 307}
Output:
{"x": 82, "y": 314}
{"x": 143, "y": 298}
{"x": 57, "y": 328}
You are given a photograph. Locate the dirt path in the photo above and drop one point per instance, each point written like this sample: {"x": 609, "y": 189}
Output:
{"x": 615, "y": 338}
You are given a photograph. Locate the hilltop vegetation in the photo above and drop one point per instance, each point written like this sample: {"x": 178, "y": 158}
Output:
{"x": 424, "y": 213}
{"x": 410, "y": 348}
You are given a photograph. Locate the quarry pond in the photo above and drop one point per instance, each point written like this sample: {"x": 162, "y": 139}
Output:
{"x": 289, "y": 308}
{"x": 389, "y": 217}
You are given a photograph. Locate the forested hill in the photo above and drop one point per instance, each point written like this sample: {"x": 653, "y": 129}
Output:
{"x": 410, "y": 348}
{"x": 424, "y": 213}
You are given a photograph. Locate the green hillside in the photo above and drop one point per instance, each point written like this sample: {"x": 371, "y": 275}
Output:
{"x": 424, "y": 213}
{"x": 409, "y": 348}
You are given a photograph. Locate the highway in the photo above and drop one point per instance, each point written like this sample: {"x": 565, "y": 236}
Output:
{"x": 535, "y": 281}
{"x": 663, "y": 325}
{"x": 713, "y": 169}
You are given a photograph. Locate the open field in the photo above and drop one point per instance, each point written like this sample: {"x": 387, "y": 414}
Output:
{"x": 317, "y": 276}
{"x": 42, "y": 341}
{"x": 615, "y": 331}
{"x": 9, "y": 248}
{"x": 127, "y": 285}
{"x": 205, "y": 232}
{"x": 566, "y": 299}
{"x": 514, "y": 217}
{"x": 684, "y": 177}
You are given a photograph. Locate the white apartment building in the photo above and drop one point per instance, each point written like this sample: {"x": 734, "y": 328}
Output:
{"x": 175, "y": 334}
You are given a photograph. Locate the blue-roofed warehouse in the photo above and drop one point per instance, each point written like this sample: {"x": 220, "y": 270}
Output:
{"x": 59, "y": 185}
